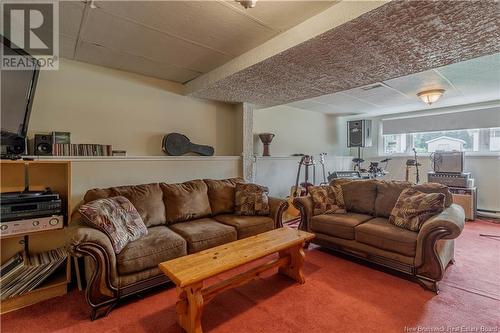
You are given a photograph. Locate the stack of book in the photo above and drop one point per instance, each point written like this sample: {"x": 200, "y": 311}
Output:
{"x": 21, "y": 274}
{"x": 69, "y": 149}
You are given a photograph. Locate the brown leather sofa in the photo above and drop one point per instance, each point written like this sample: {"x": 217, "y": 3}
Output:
{"x": 364, "y": 231}
{"x": 181, "y": 219}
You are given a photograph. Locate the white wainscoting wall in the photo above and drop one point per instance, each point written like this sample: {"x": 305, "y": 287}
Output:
{"x": 279, "y": 173}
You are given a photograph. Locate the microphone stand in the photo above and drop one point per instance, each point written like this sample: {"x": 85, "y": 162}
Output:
{"x": 416, "y": 166}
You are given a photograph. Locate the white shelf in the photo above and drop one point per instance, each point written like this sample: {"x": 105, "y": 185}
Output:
{"x": 133, "y": 158}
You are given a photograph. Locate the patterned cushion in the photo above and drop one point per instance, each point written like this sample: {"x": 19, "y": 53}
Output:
{"x": 251, "y": 199}
{"x": 413, "y": 208}
{"x": 117, "y": 218}
{"x": 327, "y": 199}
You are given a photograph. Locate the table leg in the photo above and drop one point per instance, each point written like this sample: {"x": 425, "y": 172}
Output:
{"x": 190, "y": 307}
{"x": 294, "y": 269}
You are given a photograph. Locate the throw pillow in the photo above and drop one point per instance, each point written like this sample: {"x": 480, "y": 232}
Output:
{"x": 251, "y": 199}
{"x": 328, "y": 199}
{"x": 117, "y": 218}
{"x": 186, "y": 201}
{"x": 221, "y": 194}
{"x": 413, "y": 208}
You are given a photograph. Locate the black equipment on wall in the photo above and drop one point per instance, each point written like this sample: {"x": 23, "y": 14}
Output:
{"x": 359, "y": 133}
{"x": 17, "y": 93}
{"x": 43, "y": 144}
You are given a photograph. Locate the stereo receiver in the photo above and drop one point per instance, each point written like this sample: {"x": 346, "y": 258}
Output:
{"x": 17, "y": 227}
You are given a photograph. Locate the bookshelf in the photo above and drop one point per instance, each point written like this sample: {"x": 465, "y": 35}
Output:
{"x": 41, "y": 174}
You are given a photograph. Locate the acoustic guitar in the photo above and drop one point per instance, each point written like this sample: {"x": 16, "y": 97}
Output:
{"x": 176, "y": 144}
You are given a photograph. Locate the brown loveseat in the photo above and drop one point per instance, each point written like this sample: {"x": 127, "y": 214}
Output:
{"x": 365, "y": 232}
{"x": 181, "y": 219}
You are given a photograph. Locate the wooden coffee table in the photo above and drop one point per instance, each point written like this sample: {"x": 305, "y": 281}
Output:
{"x": 189, "y": 272}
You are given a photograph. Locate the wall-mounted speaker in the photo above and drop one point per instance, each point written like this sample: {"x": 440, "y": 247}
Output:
{"x": 42, "y": 145}
{"x": 359, "y": 133}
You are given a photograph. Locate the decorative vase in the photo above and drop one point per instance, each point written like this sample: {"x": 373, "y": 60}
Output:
{"x": 266, "y": 139}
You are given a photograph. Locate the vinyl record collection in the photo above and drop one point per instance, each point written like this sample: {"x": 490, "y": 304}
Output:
{"x": 21, "y": 274}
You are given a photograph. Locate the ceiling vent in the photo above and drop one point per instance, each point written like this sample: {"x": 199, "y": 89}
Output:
{"x": 375, "y": 86}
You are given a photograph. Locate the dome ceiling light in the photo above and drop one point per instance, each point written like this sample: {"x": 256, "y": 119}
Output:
{"x": 430, "y": 97}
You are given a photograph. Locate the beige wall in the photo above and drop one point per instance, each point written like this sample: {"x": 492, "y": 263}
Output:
{"x": 297, "y": 131}
{"x": 129, "y": 111}
{"x": 132, "y": 113}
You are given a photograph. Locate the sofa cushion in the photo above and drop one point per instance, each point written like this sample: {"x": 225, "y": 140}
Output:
{"x": 378, "y": 232}
{"x": 161, "y": 244}
{"x": 327, "y": 199}
{"x": 247, "y": 226}
{"x": 186, "y": 201}
{"x": 338, "y": 225}
{"x": 221, "y": 194}
{"x": 414, "y": 208}
{"x": 205, "y": 233}
{"x": 146, "y": 198}
{"x": 360, "y": 195}
{"x": 387, "y": 195}
{"x": 436, "y": 188}
{"x": 117, "y": 218}
{"x": 251, "y": 199}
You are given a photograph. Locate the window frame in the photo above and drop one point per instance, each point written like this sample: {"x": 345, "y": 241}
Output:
{"x": 409, "y": 145}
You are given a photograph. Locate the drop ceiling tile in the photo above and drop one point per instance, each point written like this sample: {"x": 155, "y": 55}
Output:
{"x": 412, "y": 84}
{"x": 344, "y": 102}
{"x": 378, "y": 96}
{"x": 207, "y": 22}
{"x": 67, "y": 46}
{"x": 319, "y": 107}
{"x": 102, "y": 56}
{"x": 489, "y": 63}
{"x": 478, "y": 77}
{"x": 124, "y": 36}
{"x": 283, "y": 15}
{"x": 70, "y": 17}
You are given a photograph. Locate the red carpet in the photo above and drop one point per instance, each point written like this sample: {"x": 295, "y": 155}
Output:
{"x": 338, "y": 296}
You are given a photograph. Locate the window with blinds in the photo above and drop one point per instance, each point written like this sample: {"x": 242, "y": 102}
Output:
{"x": 471, "y": 131}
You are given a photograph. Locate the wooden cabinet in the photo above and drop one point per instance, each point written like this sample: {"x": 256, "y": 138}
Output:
{"x": 37, "y": 175}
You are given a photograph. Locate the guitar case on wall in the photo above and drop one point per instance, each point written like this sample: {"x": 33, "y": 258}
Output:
{"x": 176, "y": 144}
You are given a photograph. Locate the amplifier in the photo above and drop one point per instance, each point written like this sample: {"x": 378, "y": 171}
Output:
{"x": 343, "y": 174}
{"x": 11, "y": 228}
{"x": 451, "y": 179}
{"x": 448, "y": 162}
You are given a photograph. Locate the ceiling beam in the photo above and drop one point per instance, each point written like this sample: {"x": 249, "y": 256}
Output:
{"x": 332, "y": 17}
{"x": 392, "y": 40}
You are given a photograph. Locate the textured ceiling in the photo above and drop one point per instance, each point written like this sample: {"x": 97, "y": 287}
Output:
{"x": 394, "y": 40}
{"x": 173, "y": 40}
{"x": 467, "y": 82}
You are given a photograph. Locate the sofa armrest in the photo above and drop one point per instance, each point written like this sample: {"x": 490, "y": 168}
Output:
{"x": 306, "y": 207}
{"x": 83, "y": 240}
{"x": 435, "y": 242}
{"x": 277, "y": 207}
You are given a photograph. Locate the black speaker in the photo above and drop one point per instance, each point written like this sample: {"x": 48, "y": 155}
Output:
{"x": 43, "y": 144}
{"x": 359, "y": 133}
